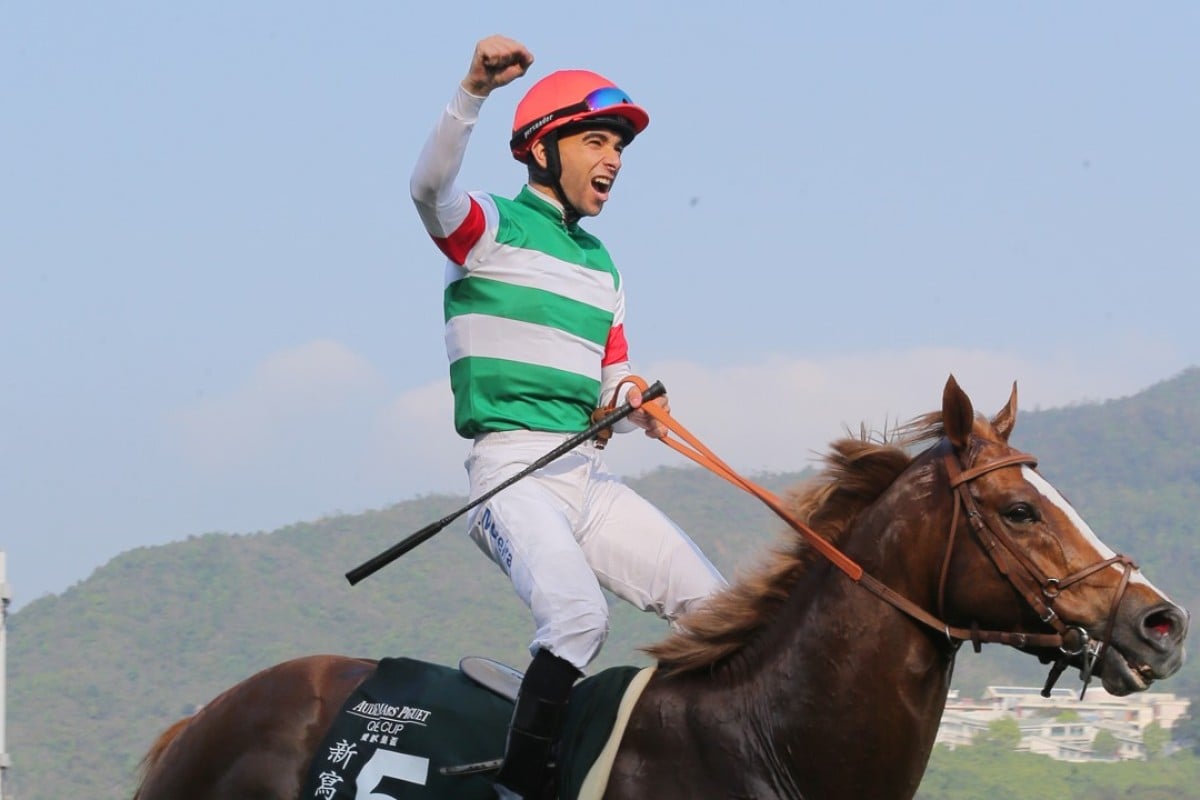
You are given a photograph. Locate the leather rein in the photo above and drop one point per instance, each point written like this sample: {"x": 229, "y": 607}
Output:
{"x": 1038, "y": 589}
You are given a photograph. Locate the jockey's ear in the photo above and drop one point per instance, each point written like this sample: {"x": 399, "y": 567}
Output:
{"x": 958, "y": 415}
{"x": 1006, "y": 418}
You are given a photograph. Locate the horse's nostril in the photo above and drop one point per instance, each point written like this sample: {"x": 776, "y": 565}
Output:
{"x": 1165, "y": 623}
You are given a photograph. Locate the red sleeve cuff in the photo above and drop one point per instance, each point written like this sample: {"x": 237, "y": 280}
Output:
{"x": 459, "y": 243}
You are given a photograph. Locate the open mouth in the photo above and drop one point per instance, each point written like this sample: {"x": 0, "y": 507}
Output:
{"x": 1123, "y": 676}
{"x": 602, "y": 186}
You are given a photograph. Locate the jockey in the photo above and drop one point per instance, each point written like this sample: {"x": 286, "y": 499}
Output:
{"x": 534, "y": 311}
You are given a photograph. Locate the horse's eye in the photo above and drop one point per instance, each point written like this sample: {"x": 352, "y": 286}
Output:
{"x": 1021, "y": 513}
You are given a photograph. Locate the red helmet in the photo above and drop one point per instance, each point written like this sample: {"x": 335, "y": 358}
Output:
{"x": 572, "y": 95}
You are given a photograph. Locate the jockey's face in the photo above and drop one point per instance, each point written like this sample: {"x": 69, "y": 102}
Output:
{"x": 590, "y": 162}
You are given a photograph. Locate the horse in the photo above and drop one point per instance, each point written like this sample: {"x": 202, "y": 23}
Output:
{"x": 802, "y": 679}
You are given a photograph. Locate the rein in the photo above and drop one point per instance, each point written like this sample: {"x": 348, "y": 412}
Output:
{"x": 1038, "y": 590}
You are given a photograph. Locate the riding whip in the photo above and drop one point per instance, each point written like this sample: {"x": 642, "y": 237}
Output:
{"x": 369, "y": 567}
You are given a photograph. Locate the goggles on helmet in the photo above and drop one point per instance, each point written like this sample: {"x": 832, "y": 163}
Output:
{"x": 597, "y": 100}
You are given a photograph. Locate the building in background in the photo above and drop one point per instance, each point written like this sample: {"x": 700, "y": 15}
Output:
{"x": 1062, "y": 726}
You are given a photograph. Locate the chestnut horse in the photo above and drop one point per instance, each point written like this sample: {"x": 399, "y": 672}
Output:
{"x": 799, "y": 681}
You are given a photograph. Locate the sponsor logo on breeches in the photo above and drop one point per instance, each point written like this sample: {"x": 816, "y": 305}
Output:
{"x": 499, "y": 543}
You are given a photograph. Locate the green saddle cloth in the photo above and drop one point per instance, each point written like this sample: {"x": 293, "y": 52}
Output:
{"x": 410, "y": 719}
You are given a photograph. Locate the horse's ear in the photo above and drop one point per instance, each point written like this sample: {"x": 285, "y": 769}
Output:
{"x": 958, "y": 415}
{"x": 1006, "y": 419}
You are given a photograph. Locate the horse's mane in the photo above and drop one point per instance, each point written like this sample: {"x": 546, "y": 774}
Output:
{"x": 160, "y": 745}
{"x": 857, "y": 470}
{"x": 169, "y": 735}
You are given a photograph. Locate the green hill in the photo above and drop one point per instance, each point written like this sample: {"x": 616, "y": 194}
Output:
{"x": 96, "y": 672}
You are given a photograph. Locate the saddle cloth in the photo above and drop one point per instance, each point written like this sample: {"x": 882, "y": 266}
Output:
{"x": 410, "y": 719}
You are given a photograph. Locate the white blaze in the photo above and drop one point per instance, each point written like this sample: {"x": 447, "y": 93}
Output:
{"x": 1104, "y": 551}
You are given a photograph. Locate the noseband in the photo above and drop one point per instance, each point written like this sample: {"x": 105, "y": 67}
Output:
{"x": 1039, "y": 590}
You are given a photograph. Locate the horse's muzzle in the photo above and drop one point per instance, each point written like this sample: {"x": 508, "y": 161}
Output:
{"x": 1144, "y": 648}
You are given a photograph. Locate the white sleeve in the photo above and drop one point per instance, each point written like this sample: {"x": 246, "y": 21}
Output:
{"x": 612, "y": 374}
{"x": 441, "y": 204}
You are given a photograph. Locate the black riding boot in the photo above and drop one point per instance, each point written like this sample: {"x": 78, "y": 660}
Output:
{"x": 536, "y": 723}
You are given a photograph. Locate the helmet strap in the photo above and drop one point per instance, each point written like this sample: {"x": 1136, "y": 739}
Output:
{"x": 551, "y": 175}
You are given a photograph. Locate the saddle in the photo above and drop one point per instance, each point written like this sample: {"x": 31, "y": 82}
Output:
{"x": 420, "y": 731}
{"x": 499, "y": 678}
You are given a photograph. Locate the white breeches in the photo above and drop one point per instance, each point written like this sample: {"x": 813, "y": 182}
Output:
{"x": 572, "y": 527}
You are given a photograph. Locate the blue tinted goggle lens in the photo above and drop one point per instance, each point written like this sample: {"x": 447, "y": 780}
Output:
{"x": 607, "y": 97}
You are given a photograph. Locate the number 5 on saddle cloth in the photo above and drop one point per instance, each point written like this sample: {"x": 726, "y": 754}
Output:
{"x": 411, "y": 723}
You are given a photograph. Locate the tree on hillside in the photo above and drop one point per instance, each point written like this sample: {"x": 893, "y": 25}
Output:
{"x": 1187, "y": 730}
{"x": 1105, "y": 745}
{"x": 1154, "y": 739}
{"x": 1002, "y": 734}
{"x": 1152, "y": 793}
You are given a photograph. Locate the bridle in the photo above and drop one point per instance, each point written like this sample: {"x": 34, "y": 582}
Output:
{"x": 1039, "y": 590}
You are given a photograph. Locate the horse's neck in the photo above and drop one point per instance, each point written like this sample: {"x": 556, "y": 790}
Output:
{"x": 839, "y": 697}
{"x": 875, "y": 680}
{"x": 854, "y": 657}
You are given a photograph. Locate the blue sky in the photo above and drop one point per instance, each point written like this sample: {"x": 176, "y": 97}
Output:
{"x": 220, "y": 313}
